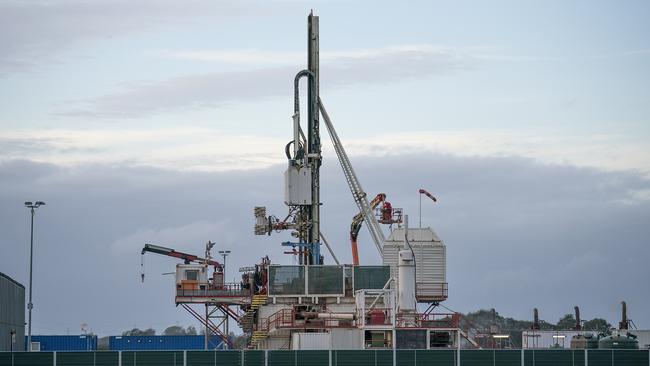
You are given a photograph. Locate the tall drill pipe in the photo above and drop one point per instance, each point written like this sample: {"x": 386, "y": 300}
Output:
{"x": 578, "y": 326}
{"x": 313, "y": 136}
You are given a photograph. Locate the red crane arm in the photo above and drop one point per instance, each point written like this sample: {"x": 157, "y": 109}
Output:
{"x": 188, "y": 258}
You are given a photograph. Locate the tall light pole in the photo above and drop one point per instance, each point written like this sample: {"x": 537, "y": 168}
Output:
{"x": 33, "y": 207}
{"x": 224, "y": 254}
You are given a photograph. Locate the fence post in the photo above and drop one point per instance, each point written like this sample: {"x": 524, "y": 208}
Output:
{"x": 266, "y": 357}
{"x": 458, "y": 350}
{"x": 184, "y": 358}
{"x": 54, "y": 358}
{"x": 586, "y": 357}
{"x": 330, "y": 357}
{"x": 242, "y": 356}
{"x": 119, "y": 358}
{"x": 522, "y": 356}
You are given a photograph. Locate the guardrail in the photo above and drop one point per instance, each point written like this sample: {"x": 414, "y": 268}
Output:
{"x": 227, "y": 290}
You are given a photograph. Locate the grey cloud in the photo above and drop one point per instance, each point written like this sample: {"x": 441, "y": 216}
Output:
{"x": 519, "y": 234}
{"x": 214, "y": 89}
{"x": 34, "y": 32}
{"x": 16, "y": 147}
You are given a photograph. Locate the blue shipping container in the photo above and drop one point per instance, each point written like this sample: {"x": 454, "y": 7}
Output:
{"x": 65, "y": 342}
{"x": 161, "y": 343}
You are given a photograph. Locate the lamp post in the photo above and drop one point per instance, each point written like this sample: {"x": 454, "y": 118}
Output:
{"x": 224, "y": 254}
{"x": 33, "y": 207}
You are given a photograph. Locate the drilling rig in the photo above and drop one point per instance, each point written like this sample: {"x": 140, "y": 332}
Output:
{"x": 339, "y": 306}
{"x": 352, "y": 306}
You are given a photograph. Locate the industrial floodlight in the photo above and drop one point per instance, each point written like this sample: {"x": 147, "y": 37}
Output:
{"x": 40, "y": 203}
{"x": 28, "y": 203}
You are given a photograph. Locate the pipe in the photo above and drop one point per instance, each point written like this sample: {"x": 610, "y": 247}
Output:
{"x": 340, "y": 316}
{"x": 330, "y": 249}
{"x": 355, "y": 251}
{"x": 297, "y": 131}
{"x": 578, "y": 325}
{"x": 624, "y": 320}
{"x": 379, "y": 295}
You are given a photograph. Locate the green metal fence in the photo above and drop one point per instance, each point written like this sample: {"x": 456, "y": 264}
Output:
{"x": 333, "y": 358}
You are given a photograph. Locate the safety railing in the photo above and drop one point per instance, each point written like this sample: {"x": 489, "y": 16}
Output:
{"x": 226, "y": 290}
{"x": 430, "y": 320}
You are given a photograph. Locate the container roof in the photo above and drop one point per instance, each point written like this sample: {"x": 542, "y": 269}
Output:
{"x": 12, "y": 280}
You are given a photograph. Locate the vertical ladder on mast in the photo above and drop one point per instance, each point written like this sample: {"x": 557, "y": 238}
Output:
{"x": 360, "y": 197}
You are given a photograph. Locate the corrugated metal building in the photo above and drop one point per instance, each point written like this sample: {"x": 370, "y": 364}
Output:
{"x": 12, "y": 314}
{"x": 161, "y": 343}
{"x": 535, "y": 339}
{"x": 64, "y": 342}
{"x": 430, "y": 261}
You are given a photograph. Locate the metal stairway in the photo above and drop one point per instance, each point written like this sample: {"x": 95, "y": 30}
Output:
{"x": 247, "y": 320}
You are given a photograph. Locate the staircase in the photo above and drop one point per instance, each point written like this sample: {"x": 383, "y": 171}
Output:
{"x": 258, "y": 335}
{"x": 246, "y": 320}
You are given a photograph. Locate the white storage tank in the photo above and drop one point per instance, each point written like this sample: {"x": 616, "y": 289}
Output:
{"x": 430, "y": 261}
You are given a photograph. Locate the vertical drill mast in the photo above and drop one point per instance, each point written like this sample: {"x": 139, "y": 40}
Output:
{"x": 313, "y": 142}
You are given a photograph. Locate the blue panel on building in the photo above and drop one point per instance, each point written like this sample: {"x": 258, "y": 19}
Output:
{"x": 65, "y": 342}
{"x": 158, "y": 343}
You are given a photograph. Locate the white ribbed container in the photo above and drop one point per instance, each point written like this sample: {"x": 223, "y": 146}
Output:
{"x": 310, "y": 341}
{"x": 430, "y": 261}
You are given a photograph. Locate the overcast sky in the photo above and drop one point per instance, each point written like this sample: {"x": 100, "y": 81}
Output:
{"x": 165, "y": 122}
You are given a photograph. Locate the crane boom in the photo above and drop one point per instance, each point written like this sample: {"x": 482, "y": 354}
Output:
{"x": 360, "y": 197}
{"x": 188, "y": 258}
{"x": 357, "y": 220}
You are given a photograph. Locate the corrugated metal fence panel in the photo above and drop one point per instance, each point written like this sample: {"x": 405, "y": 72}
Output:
{"x": 600, "y": 357}
{"x": 507, "y": 357}
{"x": 159, "y": 358}
{"x": 550, "y": 357}
{"x": 578, "y": 357}
{"x": 106, "y": 358}
{"x": 65, "y": 342}
{"x": 33, "y": 358}
{"x": 228, "y": 358}
{"x": 5, "y": 358}
{"x": 282, "y": 358}
{"x": 362, "y": 357}
{"x": 405, "y": 357}
{"x": 215, "y": 358}
{"x": 476, "y": 358}
{"x": 339, "y": 358}
{"x": 86, "y": 358}
{"x": 424, "y": 357}
{"x": 313, "y": 358}
{"x": 75, "y": 358}
{"x": 201, "y": 358}
{"x": 631, "y": 357}
{"x": 253, "y": 358}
